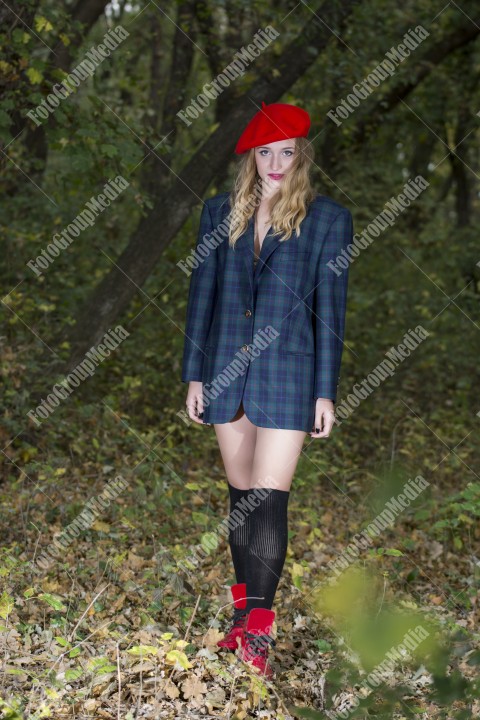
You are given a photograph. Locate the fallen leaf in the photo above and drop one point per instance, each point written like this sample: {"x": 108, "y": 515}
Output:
{"x": 193, "y": 688}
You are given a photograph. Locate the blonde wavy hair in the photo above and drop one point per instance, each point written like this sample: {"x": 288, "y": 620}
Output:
{"x": 288, "y": 206}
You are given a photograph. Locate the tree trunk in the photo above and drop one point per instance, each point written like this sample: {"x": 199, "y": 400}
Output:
{"x": 87, "y": 13}
{"x": 156, "y": 231}
{"x": 458, "y": 38}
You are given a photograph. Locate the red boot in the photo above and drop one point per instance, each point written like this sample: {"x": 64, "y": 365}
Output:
{"x": 239, "y": 593}
{"x": 256, "y": 639}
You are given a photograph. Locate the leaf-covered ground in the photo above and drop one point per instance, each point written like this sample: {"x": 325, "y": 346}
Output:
{"x": 113, "y": 629}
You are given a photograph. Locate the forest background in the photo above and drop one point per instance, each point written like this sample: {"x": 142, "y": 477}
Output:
{"x": 116, "y": 625}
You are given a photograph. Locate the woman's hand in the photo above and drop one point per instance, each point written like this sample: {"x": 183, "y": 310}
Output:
{"x": 195, "y": 402}
{"x": 324, "y": 418}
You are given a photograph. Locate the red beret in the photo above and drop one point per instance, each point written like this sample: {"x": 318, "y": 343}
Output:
{"x": 278, "y": 121}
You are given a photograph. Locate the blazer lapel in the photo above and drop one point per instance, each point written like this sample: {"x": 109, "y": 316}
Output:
{"x": 246, "y": 246}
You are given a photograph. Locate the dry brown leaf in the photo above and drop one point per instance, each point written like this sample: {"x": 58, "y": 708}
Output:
{"x": 216, "y": 698}
{"x": 194, "y": 689}
{"x": 119, "y": 602}
{"x": 142, "y": 667}
{"x": 212, "y": 636}
{"x": 171, "y": 690}
{"x": 101, "y": 526}
{"x": 135, "y": 561}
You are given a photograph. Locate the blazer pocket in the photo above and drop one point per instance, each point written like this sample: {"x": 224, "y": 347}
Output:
{"x": 305, "y": 353}
{"x": 298, "y": 334}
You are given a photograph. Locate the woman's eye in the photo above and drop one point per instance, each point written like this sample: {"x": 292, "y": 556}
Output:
{"x": 290, "y": 152}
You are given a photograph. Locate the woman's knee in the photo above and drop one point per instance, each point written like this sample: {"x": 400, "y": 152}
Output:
{"x": 237, "y": 446}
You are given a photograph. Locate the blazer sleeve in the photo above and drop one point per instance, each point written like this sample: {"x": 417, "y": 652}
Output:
{"x": 201, "y": 300}
{"x": 330, "y": 306}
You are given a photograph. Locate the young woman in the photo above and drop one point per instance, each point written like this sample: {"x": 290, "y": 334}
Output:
{"x": 263, "y": 345}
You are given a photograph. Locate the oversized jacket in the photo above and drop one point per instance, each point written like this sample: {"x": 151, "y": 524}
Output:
{"x": 270, "y": 336}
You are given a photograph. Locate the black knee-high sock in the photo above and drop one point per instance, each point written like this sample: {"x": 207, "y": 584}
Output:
{"x": 239, "y": 535}
{"x": 267, "y": 547}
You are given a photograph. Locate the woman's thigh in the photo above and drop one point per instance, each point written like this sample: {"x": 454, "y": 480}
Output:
{"x": 276, "y": 457}
{"x": 258, "y": 457}
{"x": 236, "y": 440}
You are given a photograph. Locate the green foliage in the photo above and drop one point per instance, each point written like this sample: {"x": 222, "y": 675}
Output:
{"x": 460, "y": 514}
{"x": 380, "y": 638}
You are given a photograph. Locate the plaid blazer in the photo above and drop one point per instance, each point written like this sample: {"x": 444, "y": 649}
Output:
{"x": 272, "y": 335}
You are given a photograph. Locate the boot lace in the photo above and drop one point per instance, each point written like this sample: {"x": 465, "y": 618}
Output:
{"x": 258, "y": 644}
{"x": 238, "y": 617}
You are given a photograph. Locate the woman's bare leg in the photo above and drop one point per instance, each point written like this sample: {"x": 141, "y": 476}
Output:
{"x": 236, "y": 440}
{"x": 256, "y": 456}
{"x": 275, "y": 461}
{"x": 276, "y": 457}
{"x": 263, "y": 460}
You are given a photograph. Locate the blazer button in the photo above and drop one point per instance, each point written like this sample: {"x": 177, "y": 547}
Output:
{"x": 245, "y": 347}
{"x": 248, "y": 313}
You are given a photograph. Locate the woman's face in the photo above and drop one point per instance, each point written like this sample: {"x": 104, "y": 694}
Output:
{"x": 274, "y": 161}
